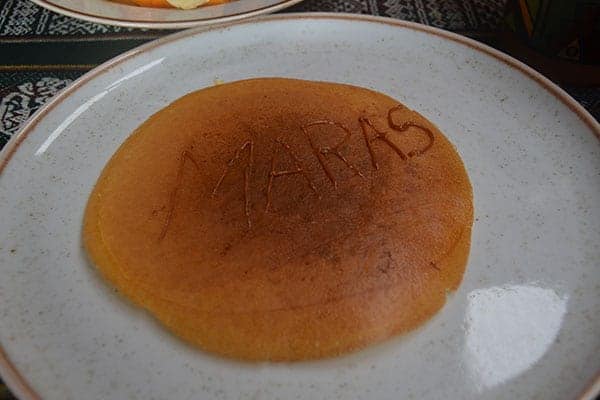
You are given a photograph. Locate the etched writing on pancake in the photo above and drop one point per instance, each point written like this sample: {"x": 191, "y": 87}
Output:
{"x": 404, "y": 126}
{"x": 366, "y": 123}
{"x": 323, "y": 151}
{"x": 185, "y": 156}
{"x": 249, "y": 145}
{"x": 299, "y": 169}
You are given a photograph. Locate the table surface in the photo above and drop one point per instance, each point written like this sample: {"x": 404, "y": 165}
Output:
{"x": 43, "y": 52}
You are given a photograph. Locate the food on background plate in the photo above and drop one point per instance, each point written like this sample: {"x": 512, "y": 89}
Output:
{"x": 182, "y": 4}
{"x": 281, "y": 219}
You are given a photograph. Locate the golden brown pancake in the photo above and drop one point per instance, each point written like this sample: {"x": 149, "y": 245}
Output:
{"x": 281, "y": 219}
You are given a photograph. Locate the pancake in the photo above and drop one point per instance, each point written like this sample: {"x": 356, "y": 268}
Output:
{"x": 280, "y": 219}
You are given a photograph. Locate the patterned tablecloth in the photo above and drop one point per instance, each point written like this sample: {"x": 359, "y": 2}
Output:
{"x": 42, "y": 52}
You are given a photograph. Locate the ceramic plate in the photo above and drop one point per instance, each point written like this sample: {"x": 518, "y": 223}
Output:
{"x": 115, "y": 13}
{"x": 523, "y": 325}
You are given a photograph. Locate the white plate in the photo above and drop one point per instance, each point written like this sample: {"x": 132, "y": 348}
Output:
{"x": 524, "y": 323}
{"x": 113, "y": 13}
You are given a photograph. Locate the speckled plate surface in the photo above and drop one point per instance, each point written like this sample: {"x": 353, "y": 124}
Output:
{"x": 524, "y": 324}
{"x": 121, "y": 14}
